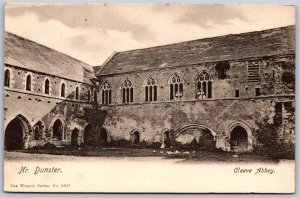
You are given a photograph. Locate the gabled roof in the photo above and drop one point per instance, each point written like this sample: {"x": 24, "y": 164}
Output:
{"x": 27, "y": 54}
{"x": 270, "y": 42}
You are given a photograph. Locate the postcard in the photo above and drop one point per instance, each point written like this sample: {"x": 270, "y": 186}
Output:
{"x": 149, "y": 98}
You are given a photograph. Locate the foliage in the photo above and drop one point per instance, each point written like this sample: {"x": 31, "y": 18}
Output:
{"x": 269, "y": 144}
{"x": 221, "y": 68}
{"x": 95, "y": 116}
{"x": 288, "y": 77}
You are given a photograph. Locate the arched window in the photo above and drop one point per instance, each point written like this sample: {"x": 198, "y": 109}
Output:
{"x": 106, "y": 93}
{"x": 7, "y": 78}
{"x": 150, "y": 89}
{"x": 28, "y": 82}
{"x": 77, "y": 93}
{"x": 46, "y": 87}
{"x": 176, "y": 87}
{"x": 63, "y": 90}
{"x": 203, "y": 85}
{"x": 127, "y": 91}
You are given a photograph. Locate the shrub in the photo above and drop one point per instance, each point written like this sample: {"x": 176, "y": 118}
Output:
{"x": 49, "y": 145}
{"x": 269, "y": 144}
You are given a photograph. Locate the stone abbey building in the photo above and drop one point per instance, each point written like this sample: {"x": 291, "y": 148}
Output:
{"x": 212, "y": 91}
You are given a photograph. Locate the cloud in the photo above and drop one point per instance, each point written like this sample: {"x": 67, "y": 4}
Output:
{"x": 91, "y": 32}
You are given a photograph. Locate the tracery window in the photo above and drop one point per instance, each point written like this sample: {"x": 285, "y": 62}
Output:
{"x": 176, "y": 87}
{"x": 127, "y": 91}
{"x": 106, "y": 93}
{"x": 150, "y": 89}
{"x": 204, "y": 85}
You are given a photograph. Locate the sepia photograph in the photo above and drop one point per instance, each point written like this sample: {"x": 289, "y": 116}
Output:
{"x": 149, "y": 98}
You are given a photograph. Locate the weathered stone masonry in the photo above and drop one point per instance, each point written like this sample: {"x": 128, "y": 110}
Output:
{"x": 241, "y": 99}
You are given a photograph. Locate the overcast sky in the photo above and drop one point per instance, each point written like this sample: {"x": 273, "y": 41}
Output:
{"x": 92, "y": 32}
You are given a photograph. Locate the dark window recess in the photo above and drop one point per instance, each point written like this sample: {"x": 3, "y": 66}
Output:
{"x": 237, "y": 93}
{"x": 222, "y": 68}
{"x": 7, "y": 78}
{"x": 47, "y": 86}
{"x": 257, "y": 91}
{"x": 77, "y": 93}
{"x": 288, "y": 77}
{"x": 28, "y": 83}
{"x": 278, "y": 114}
{"x": 62, "y": 91}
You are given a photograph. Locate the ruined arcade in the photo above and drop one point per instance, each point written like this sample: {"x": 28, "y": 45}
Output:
{"x": 213, "y": 92}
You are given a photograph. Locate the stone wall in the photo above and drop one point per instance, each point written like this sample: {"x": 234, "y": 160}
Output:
{"x": 270, "y": 83}
{"x": 220, "y": 114}
{"x": 35, "y": 106}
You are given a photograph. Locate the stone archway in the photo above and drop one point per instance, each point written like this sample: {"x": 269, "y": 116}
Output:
{"x": 74, "y": 137}
{"x": 239, "y": 136}
{"x": 15, "y": 133}
{"x": 88, "y": 135}
{"x": 166, "y": 138}
{"x": 58, "y": 131}
{"x": 238, "y": 139}
{"x": 196, "y": 137}
{"x": 135, "y": 137}
{"x": 103, "y": 135}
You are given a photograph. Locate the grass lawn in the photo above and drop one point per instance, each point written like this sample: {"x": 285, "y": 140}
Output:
{"x": 186, "y": 156}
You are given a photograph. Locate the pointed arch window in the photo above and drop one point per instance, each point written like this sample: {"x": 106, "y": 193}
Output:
{"x": 7, "y": 78}
{"x": 106, "y": 93}
{"x": 77, "y": 93}
{"x": 28, "y": 82}
{"x": 150, "y": 89}
{"x": 47, "y": 85}
{"x": 204, "y": 85}
{"x": 176, "y": 87}
{"x": 63, "y": 90}
{"x": 127, "y": 91}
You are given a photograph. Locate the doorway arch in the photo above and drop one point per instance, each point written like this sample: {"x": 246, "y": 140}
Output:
{"x": 239, "y": 136}
{"x": 238, "y": 139}
{"x": 58, "y": 132}
{"x": 74, "y": 137}
{"x": 88, "y": 135}
{"x": 135, "y": 136}
{"x": 103, "y": 135}
{"x": 15, "y": 133}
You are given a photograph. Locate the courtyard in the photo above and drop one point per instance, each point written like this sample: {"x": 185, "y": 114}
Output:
{"x": 180, "y": 156}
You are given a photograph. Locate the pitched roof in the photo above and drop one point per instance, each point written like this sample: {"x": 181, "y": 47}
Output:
{"x": 275, "y": 41}
{"x": 27, "y": 54}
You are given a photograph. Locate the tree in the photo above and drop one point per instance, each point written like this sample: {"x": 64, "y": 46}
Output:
{"x": 95, "y": 116}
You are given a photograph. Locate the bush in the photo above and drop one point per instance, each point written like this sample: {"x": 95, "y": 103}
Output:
{"x": 48, "y": 145}
{"x": 270, "y": 145}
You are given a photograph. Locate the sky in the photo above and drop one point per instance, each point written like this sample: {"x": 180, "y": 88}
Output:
{"x": 92, "y": 32}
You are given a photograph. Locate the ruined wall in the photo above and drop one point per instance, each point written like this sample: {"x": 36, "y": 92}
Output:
{"x": 218, "y": 113}
{"x": 271, "y": 70}
{"x": 36, "y": 106}
{"x": 18, "y": 81}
